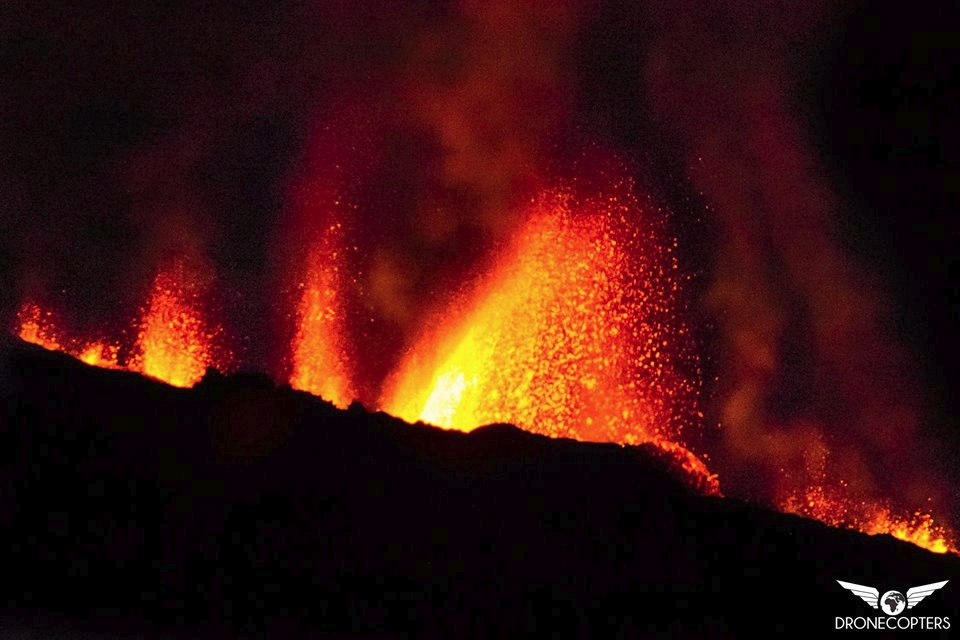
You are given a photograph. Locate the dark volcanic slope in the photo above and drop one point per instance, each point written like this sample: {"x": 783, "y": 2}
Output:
{"x": 129, "y": 507}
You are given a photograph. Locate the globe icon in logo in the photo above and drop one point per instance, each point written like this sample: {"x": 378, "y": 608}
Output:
{"x": 893, "y": 603}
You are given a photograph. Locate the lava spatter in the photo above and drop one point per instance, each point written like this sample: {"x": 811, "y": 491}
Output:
{"x": 574, "y": 333}
{"x": 175, "y": 342}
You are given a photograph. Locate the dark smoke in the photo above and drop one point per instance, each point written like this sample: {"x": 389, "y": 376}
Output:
{"x": 430, "y": 156}
{"x": 816, "y": 385}
{"x": 144, "y": 134}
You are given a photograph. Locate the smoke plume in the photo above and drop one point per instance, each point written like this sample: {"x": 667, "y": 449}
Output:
{"x": 815, "y": 388}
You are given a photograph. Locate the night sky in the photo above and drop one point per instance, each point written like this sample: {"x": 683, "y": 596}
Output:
{"x": 134, "y": 132}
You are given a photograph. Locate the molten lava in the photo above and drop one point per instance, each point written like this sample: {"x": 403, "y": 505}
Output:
{"x": 174, "y": 343}
{"x": 575, "y": 333}
{"x": 833, "y": 508}
{"x": 99, "y": 354}
{"x": 40, "y": 327}
{"x": 319, "y": 363}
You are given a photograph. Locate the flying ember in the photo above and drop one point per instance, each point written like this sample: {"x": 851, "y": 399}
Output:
{"x": 575, "y": 333}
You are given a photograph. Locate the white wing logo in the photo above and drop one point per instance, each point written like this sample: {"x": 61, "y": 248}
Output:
{"x": 916, "y": 594}
{"x": 871, "y": 595}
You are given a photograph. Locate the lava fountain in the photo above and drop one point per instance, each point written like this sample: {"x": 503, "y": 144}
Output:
{"x": 38, "y": 326}
{"x": 41, "y": 327}
{"x": 318, "y": 354}
{"x": 575, "y": 332}
{"x": 175, "y": 343}
{"x": 835, "y": 507}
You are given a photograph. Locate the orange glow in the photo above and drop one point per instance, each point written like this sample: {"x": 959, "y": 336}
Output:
{"x": 319, "y": 363}
{"x": 174, "y": 343}
{"x": 831, "y": 508}
{"x": 38, "y": 327}
{"x": 99, "y": 354}
{"x": 574, "y": 334}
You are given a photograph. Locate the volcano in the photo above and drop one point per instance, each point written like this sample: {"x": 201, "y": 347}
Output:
{"x": 585, "y": 316}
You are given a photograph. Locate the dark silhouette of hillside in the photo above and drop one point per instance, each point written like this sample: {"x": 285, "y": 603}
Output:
{"x": 238, "y": 509}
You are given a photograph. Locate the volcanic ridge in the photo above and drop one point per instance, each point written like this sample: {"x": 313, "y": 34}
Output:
{"x": 237, "y": 508}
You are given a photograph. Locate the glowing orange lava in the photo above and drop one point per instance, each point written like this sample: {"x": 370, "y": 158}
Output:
{"x": 99, "y": 354}
{"x": 574, "y": 334}
{"x": 40, "y": 327}
{"x": 174, "y": 343}
{"x": 832, "y": 508}
{"x": 319, "y": 362}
